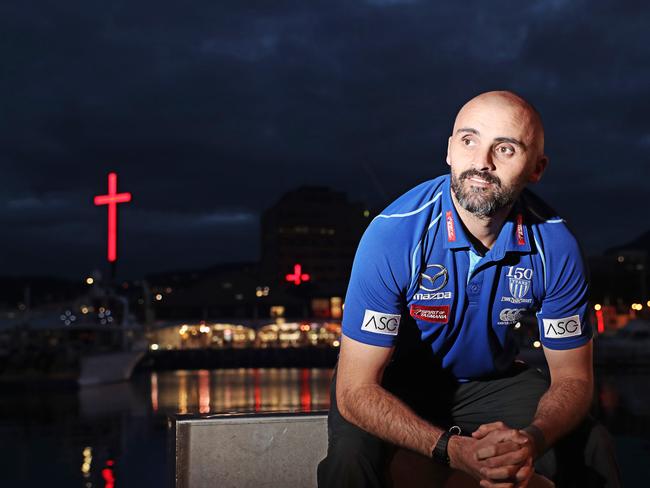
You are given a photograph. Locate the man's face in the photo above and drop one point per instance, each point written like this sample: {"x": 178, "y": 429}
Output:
{"x": 493, "y": 153}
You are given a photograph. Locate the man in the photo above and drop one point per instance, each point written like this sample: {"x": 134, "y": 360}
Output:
{"x": 439, "y": 281}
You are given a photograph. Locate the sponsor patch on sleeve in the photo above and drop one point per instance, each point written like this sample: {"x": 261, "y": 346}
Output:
{"x": 561, "y": 328}
{"x": 380, "y": 323}
{"x": 431, "y": 313}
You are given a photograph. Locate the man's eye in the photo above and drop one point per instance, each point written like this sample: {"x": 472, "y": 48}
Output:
{"x": 506, "y": 150}
{"x": 468, "y": 142}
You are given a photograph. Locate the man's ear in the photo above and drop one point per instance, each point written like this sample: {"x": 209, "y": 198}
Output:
{"x": 448, "y": 145}
{"x": 540, "y": 167}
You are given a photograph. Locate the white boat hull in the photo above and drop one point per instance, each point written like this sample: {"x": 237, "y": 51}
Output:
{"x": 109, "y": 367}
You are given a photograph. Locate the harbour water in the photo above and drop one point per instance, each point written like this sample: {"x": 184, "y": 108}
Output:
{"x": 115, "y": 435}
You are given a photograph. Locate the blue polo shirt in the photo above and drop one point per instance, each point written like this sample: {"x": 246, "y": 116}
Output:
{"x": 415, "y": 267}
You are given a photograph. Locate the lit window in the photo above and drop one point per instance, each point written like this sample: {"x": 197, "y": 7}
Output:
{"x": 277, "y": 311}
{"x": 336, "y": 307}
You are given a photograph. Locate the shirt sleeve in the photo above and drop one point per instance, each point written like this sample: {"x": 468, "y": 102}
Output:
{"x": 374, "y": 303}
{"x": 563, "y": 318}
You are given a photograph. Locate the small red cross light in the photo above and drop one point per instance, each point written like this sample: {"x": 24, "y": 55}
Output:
{"x": 298, "y": 276}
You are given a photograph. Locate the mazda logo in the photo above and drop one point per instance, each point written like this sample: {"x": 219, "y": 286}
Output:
{"x": 434, "y": 282}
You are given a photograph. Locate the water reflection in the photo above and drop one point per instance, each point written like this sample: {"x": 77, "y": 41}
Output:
{"x": 230, "y": 390}
{"x": 115, "y": 435}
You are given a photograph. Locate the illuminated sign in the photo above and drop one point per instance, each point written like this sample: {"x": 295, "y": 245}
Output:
{"x": 298, "y": 276}
{"x": 112, "y": 199}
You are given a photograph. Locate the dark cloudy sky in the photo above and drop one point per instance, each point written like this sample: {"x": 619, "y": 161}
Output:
{"x": 210, "y": 110}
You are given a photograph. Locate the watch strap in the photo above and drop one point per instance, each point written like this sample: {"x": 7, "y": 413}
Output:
{"x": 440, "y": 453}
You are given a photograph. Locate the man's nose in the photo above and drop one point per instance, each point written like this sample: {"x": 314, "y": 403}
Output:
{"x": 484, "y": 160}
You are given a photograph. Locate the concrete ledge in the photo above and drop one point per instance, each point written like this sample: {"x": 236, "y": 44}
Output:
{"x": 280, "y": 449}
{"x": 257, "y": 451}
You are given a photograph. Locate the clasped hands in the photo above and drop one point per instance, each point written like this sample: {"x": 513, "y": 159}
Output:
{"x": 498, "y": 456}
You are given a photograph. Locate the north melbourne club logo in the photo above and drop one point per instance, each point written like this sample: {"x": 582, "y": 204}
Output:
{"x": 518, "y": 288}
{"x": 519, "y": 281}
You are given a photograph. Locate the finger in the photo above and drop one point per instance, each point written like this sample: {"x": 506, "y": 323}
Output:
{"x": 508, "y": 435}
{"x": 502, "y": 473}
{"x": 487, "y": 428}
{"x": 492, "y": 484}
{"x": 523, "y": 483}
{"x": 517, "y": 457}
{"x": 496, "y": 449}
{"x": 525, "y": 472}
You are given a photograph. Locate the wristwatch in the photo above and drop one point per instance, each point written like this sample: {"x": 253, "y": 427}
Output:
{"x": 439, "y": 452}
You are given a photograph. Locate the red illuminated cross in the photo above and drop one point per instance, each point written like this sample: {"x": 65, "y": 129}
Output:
{"x": 112, "y": 199}
{"x": 298, "y": 276}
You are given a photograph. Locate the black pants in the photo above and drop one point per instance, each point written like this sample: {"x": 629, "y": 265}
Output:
{"x": 355, "y": 458}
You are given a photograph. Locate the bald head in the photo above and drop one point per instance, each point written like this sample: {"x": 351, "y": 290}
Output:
{"x": 510, "y": 106}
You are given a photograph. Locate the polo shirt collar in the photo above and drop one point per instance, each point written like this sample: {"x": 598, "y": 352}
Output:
{"x": 513, "y": 237}
{"x": 454, "y": 234}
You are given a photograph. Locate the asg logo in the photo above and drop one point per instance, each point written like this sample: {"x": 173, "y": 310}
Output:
{"x": 380, "y": 323}
{"x": 560, "y": 328}
{"x": 511, "y": 314}
{"x": 436, "y": 281}
{"x": 519, "y": 281}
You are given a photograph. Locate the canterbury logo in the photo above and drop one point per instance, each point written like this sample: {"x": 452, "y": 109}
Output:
{"x": 511, "y": 314}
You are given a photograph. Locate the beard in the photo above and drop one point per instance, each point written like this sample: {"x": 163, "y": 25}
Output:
{"x": 483, "y": 201}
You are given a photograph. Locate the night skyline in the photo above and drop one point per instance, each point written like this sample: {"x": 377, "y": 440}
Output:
{"x": 210, "y": 114}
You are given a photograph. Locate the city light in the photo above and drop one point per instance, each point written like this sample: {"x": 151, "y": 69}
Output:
{"x": 109, "y": 477}
{"x": 298, "y": 276}
{"x": 648, "y": 303}
{"x": 597, "y": 307}
{"x": 111, "y": 199}
{"x": 262, "y": 291}
{"x": 537, "y": 344}
{"x": 68, "y": 317}
{"x": 600, "y": 321}
{"x": 366, "y": 213}
{"x": 90, "y": 280}
{"x": 154, "y": 347}
{"x": 87, "y": 461}
{"x": 517, "y": 325}
{"x": 84, "y": 309}
{"x": 158, "y": 297}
